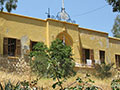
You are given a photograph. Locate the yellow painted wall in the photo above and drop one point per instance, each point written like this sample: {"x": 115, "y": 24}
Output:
{"x": 55, "y": 28}
{"x": 94, "y": 40}
{"x": 16, "y": 26}
{"x": 114, "y": 48}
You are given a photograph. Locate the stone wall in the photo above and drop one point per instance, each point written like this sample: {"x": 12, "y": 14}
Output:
{"x": 14, "y": 64}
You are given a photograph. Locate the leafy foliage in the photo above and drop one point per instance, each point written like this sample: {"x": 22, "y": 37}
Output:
{"x": 86, "y": 84}
{"x": 116, "y": 27}
{"x": 39, "y": 49}
{"x": 61, "y": 59}
{"x": 19, "y": 86}
{"x": 103, "y": 70}
{"x": 55, "y": 62}
{"x": 40, "y": 64}
{"x": 8, "y": 4}
{"x": 115, "y": 4}
{"x": 115, "y": 84}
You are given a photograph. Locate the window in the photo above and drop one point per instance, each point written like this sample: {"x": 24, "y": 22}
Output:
{"x": 11, "y": 47}
{"x": 117, "y": 58}
{"x": 102, "y": 56}
{"x": 32, "y": 44}
{"x": 87, "y": 54}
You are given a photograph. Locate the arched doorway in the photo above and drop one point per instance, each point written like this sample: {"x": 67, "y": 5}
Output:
{"x": 67, "y": 39}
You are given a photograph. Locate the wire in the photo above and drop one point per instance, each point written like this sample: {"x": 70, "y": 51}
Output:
{"x": 90, "y": 11}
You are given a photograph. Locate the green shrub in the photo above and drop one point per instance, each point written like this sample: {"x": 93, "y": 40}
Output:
{"x": 55, "y": 62}
{"x": 103, "y": 70}
{"x": 115, "y": 84}
{"x": 86, "y": 84}
{"x": 25, "y": 85}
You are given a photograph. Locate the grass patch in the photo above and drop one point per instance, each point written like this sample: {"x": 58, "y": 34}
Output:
{"x": 47, "y": 83}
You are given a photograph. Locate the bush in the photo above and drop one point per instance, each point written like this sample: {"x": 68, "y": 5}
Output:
{"x": 25, "y": 85}
{"x": 103, "y": 70}
{"x": 115, "y": 84}
{"x": 86, "y": 84}
{"x": 55, "y": 62}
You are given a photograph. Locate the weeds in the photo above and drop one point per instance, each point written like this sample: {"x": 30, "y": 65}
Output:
{"x": 103, "y": 70}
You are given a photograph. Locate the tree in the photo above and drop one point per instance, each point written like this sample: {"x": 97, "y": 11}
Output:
{"x": 115, "y": 4}
{"x": 61, "y": 62}
{"x": 116, "y": 27}
{"x": 39, "y": 59}
{"x": 56, "y": 62}
{"x": 8, "y": 4}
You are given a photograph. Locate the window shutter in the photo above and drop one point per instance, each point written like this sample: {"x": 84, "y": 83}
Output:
{"x": 102, "y": 56}
{"x": 83, "y": 56}
{"x": 30, "y": 45}
{"x": 92, "y": 56}
{"x": 116, "y": 60}
{"x": 117, "y": 57}
{"x": 18, "y": 47}
{"x": 119, "y": 60}
{"x": 5, "y": 46}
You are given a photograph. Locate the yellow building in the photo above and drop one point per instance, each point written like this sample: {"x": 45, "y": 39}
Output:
{"x": 89, "y": 46}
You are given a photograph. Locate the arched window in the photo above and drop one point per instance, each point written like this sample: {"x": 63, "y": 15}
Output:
{"x": 67, "y": 39}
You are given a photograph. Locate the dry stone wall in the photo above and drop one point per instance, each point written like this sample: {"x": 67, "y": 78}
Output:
{"x": 18, "y": 65}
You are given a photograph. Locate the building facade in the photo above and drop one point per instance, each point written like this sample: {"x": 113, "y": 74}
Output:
{"x": 19, "y": 32}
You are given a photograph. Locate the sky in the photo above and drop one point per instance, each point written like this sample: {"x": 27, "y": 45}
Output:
{"x": 91, "y": 14}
